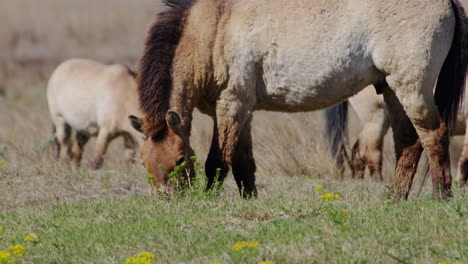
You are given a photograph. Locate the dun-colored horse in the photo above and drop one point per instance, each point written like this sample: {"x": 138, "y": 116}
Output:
{"x": 87, "y": 98}
{"x": 367, "y": 150}
{"x": 231, "y": 57}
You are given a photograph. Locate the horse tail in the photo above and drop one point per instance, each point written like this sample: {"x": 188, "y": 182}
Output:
{"x": 451, "y": 82}
{"x": 154, "y": 75}
{"x": 335, "y": 124}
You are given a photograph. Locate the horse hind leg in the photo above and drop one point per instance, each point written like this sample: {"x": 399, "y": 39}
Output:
{"x": 462, "y": 175}
{"x": 416, "y": 97}
{"x": 408, "y": 147}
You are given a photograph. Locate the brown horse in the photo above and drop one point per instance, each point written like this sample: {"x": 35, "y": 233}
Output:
{"x": 87, "y": 98}
{"x": 231, "y": 57}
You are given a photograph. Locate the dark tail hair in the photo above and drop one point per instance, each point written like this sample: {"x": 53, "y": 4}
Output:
{"x": 451, "y": 83}
{"x": 335, "y": 124}
{"x": 154, "y": 76}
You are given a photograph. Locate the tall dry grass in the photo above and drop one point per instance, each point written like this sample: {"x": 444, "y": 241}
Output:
{"x": 35, "y": 36}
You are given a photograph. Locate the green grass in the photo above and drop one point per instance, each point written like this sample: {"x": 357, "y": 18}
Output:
{"x": 289, "y": 220}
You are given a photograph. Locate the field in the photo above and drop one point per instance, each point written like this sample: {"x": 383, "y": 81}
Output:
{"x": 110, "y": 215}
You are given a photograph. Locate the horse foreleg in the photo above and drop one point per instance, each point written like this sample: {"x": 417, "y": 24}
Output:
{"x": 243, "y": 163}
{"x": 63, "y": 131}
{"x": 232, "y": 113}
{"x": 215, "y": 167}
{"x": 102, "y": 143}
{"x": 376, "y": 129}
{"x": 78, "y": 140}
{"x": 358, "y": 160}
{"x": 129, "y": 149}
{"x": 408, "y": 147}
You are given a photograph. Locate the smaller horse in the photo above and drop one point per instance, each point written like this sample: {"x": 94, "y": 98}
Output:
{"x": 87, "y": 98}
{"x": 367, "y": 150}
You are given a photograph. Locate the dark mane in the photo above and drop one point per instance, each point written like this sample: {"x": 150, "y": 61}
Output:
{"x": 154, "y": 77}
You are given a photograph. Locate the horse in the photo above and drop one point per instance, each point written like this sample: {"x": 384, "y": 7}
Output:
{"x": 231, "y": 57}
{"x": 87, "y": 98}
{"x": 367, "y": 150}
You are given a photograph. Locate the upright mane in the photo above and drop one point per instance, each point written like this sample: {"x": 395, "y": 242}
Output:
{"x": 154, "y": 78}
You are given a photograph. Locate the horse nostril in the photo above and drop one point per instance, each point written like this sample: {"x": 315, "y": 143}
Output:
{"x": 180, "y": 161}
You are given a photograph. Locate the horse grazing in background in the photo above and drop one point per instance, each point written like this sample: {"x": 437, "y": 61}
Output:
{"x": 367, "y": 150}
{"x": 231, "y": 57}
{"x": 87, "y": 98}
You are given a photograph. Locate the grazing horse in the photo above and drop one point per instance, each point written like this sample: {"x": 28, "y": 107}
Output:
{"x": 87, "y": 98}
{"x": 367, "y": 150}
{"x": 231, "y": 57}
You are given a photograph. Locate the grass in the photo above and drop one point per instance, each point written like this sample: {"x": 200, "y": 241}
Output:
{"x": 110, "y": 215}
{"x": 289, "y": 220}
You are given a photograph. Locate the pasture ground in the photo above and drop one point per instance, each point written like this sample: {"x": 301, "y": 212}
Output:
{"x": 110, "y": 215}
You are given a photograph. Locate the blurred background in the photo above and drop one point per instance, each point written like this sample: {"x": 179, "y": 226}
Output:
{"x": 36, "y": 36}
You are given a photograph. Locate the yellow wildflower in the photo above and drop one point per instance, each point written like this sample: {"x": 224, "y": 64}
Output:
{"x": 6, "y": 258}
{"x": 18, "y": 250}
{"x": 442, "y": 262}
{"x": 2, "y": 163}
{"x": 266, "y": 262}
{"x": 215, "y": 262}
{"x": 2, "y": 229}
{"x": 330, "y": 196}
{"x": 143, "y": 258}
{"x": 344, "y": 213}
{"x": 319, "y": 188}
{"x": 252, "y": 244}
{"x": 238, "y": 246}
{"x": 242, "y": 244}
{"x": 31, "y": 238}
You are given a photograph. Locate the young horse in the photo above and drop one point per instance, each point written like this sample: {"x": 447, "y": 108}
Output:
{"x": 86, "y": 99}
{"x": 367, "y": 150}
{"x": 231, "y": 57}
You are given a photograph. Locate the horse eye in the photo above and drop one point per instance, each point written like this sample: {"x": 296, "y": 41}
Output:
{"x": 180, "y": 161}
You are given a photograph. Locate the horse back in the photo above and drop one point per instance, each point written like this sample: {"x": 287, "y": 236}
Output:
{"x": 89, "y": 93}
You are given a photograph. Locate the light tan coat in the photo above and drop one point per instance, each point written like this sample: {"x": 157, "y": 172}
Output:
{"x": 87, "y": 98}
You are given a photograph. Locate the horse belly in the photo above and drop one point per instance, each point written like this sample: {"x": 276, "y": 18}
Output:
{"x": 304, "y": 86}
{"x": 79, "y": 112}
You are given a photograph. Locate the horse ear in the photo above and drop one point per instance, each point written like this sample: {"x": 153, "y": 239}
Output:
{"x": 173, "y": 120}
{"x": 136, "y": 123}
